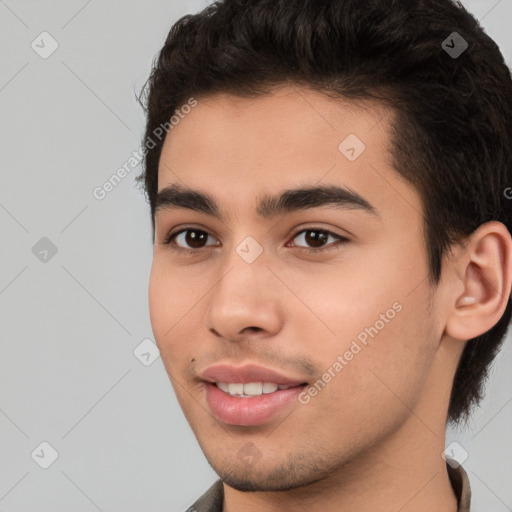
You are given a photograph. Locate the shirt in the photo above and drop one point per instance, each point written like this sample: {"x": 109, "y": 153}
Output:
{"x": 212, "y": 500}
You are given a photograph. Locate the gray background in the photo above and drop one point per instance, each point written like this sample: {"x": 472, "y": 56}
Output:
{"x": 70, "y": 323}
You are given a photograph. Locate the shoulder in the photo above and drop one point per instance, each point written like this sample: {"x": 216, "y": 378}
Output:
{"x": 460, "y": 483}
{"x": 211, "y": 500}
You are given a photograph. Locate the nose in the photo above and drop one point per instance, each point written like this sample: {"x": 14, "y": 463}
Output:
{"x": 246, "y": 301}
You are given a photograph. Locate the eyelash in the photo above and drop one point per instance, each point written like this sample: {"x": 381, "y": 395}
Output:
{"x": 341, "y": 239}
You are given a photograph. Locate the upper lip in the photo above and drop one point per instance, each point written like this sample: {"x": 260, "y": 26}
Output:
{"x": 247, "y": 373}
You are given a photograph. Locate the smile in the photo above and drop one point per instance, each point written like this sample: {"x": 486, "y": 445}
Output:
{"x": 250, "y": 389}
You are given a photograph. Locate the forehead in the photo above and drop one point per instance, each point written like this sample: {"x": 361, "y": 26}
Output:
{"x": 239, "y": 149}
{"x": 286, "y": 123}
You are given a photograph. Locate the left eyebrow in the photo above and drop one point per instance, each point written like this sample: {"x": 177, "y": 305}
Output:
{"x": 175, "y": 196}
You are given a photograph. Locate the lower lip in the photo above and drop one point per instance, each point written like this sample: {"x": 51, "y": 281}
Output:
{"x": 253, "y": 410}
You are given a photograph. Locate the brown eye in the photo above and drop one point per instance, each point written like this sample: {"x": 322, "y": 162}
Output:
{"x": 193, "y": 240}
{"x": 316, "y": 239}
{"x": 190, "y": 240}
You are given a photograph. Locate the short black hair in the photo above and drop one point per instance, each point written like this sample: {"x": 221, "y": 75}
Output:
{"x": 452, "y": 130}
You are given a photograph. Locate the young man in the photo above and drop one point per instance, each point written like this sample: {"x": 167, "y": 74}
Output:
{"x": 332, "y": 260}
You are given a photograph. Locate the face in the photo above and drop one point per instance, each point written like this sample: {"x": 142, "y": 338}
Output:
{"x": 325, "y": 291}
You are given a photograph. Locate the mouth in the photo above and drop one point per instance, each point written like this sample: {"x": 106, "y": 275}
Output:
{"x": 249, "y": 395}
{"x": 252, "y": 389}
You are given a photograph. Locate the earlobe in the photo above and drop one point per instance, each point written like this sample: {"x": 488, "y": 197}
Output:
{"x": 486, "y": 274}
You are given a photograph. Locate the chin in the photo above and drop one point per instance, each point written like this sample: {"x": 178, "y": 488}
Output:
{"x": 279, "y": 478}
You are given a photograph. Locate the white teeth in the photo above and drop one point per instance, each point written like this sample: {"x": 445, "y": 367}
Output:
{"x": 250, "y": 388}
{"x": 269, "y": 387}
{"x": 236, "y": 389}
{"x": 224, "y": 386}
{"x": 253, "y": 388}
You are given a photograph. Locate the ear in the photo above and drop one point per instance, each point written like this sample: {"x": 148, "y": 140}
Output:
{"x": 484, "y": 269}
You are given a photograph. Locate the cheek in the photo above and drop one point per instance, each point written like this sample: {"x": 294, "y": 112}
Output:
{"x": 158, "y": 299}
{"x": 378, "y": 322}
{"x": 170, "y": 297}
{"x": 376, "y": 384}
{"x": 347, "y": 299}
{"x": 389, "y": 363}
{"x": 175, "y": 304}
{"x": 167, "y": 305}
